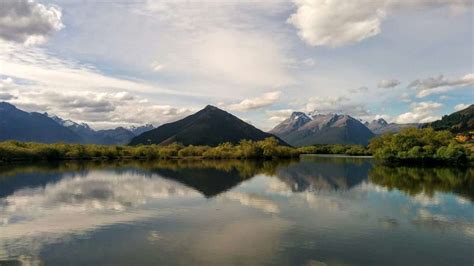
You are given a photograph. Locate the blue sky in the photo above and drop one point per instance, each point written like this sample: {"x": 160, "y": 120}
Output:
{"x": 111, "y": 63}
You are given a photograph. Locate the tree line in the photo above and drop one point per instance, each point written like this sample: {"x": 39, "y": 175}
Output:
{"x": 409, "y": 145}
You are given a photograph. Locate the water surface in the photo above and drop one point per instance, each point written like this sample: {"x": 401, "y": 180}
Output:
{"x": 316, "y": 211}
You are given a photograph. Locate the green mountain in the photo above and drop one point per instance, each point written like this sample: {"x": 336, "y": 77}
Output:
{"x": 461, "y": 121}
{"x": 211, "y": 126}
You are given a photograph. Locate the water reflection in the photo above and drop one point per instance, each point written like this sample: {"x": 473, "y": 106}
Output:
{"x": 425, "y": 181}
{"x": 208, "y": 212}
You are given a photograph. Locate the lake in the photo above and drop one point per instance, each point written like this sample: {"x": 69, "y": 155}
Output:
{"x": 313, "y": 211}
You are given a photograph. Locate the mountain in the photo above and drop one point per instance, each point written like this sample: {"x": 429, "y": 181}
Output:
{"x": 211, "y": 126}
{"x": 117, "y": 136}
{"x": 296, "y": 120}
{"x": 141, "y": 129}
{"x": 298, "y": 130}
{"x": 460, "y": 121}
{"x": 16, "y": 124}
{"x": 380, "y": 126}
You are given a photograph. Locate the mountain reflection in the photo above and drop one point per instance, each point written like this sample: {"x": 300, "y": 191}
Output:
{"x": 213, "y": 209}
{"x": 316, "y": 174}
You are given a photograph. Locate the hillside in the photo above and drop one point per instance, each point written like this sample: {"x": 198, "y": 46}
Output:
{"x": 461, "y": 121}
{"x": 211, "y": 126}
{"x": 16, "y": 124}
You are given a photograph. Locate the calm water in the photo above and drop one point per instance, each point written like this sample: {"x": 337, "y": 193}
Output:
{"x": 316, "y": 211}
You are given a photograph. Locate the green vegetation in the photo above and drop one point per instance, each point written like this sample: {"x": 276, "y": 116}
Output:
{"x": 411, "y": 145}
{"x": 346, "y": 149}
{"x": 414, "y": 145}
{"x": 426, "y": 180}
{"x": 21, "y": 151}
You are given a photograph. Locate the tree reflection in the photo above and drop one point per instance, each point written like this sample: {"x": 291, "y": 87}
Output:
{"x": 416, "y": 180}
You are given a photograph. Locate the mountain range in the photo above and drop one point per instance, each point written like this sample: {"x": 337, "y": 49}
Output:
{"x": 301, "y": 129}
{"x": 16, "y": 124}
{"x": 209, "y": 126}
{"x": 116, "y": 136}
{"x": 212, "y": 126}
{"x": 380, "y": 126}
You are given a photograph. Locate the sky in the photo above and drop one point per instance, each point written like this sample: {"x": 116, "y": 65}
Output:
{"x": 114, "y": 63}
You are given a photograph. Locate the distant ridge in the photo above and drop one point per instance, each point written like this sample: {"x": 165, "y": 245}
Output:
{"x": 210, "y": 126}
{"x": 380, "y": 126}
{"x": 16, "y": 124}
{"x": 116, "y": 136}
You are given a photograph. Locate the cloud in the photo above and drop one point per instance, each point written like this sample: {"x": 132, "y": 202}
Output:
{"x": 440, "y": 84}
{"x": 5, "y": 96}
{"x": 279, "y": 115}
{"x": 340, "y": 22}
{"x": 156, "y": 66}
{"x": 37, "y": 66}
{"x": 405, "y": 97}
{"x": 264, "y": 100}
{"x": 336, "y": 23}
{"x": 253, "y": 201}
{"x": 99, "y": 109}
{"x": 216, "y": 43}
{"x": 421, "y": 112}
{"x": 340, "y": 104}
{"x": 388, "y": 83}
{"x": 461, "y": 106}
{"x": 28, "y": 22}
{"x": 359, "y": 90}
{"x": 80, "y": 204}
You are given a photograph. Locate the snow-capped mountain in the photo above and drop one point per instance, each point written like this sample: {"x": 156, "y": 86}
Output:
{"x": 141, "y": 129}
{"x": 295, "y": 121}
{"x": 16, "y": 124}
{"x": 119, "y": 135}
{"x": 316, "y": 128}
{"x": 380, "y": 126}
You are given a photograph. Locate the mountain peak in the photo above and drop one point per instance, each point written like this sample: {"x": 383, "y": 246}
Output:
{"x": 211, "y": 126}
{"x": 298, "y": 115}
{"x": 381, "y": 121}
{"x": 331, "y": 128}
{"x": 6, "y": 106}
{"x": 210, "y": 108}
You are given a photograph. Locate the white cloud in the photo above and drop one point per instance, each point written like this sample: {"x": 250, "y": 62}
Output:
{"x": 388, "y": 83}
{"x": 278, "y": 116}
{"x": 421, "y": 112}
{"x": 310, "y": 62}
{"x": 336, "y": 23}
{"x": 156, "y": 66}
{"x": 338, "y": 104}
{"x": 217, "y": 44}
{"x": 264, "y": 100}
{"x": 37, "y": 66}
{"x": 253, "y": 200}
{"x": 461, "y": 106}
{"x": 99, "y": 109}
{"x": 82, "y": 203}
{"x": 440, "y": 84}
{"x": 359, "y": 90}
{"x": 340, "y": 22}
{"x": 28, "y": 22}
{"x": 405, "y": 97}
